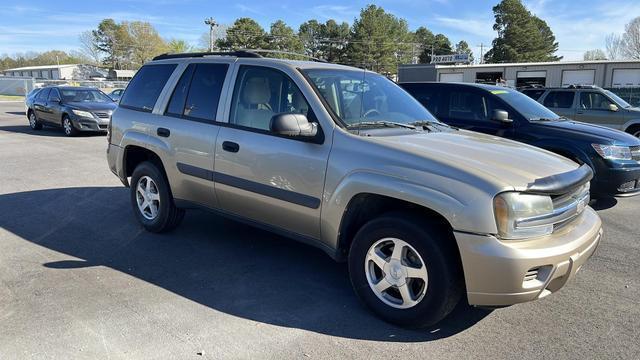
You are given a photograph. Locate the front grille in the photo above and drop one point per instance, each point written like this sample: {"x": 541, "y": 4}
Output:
{"x": 102, "y": 115}
{"x": 572, "y": 198}
{"x": 635, "y": 153}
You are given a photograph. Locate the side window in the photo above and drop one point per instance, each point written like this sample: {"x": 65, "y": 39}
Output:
{"x": 559, "y": 99}
{"x": 197, "y": 94}
{"x": 427, "y": 96}
{"x": 534, "y": 94}
{"x": 43, "y": 94}
{"x": 468, "y": 105}
{"x": 145, "y": 87}
{"x": 54, "y": 93}
{"x": 260, "y": 93}
{"x": 594, "y": 101}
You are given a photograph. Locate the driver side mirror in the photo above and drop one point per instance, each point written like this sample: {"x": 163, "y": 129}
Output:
{"x": 501, "y": 116}
{"x": 613, "y": 107}
{"x": 292, "y": 124}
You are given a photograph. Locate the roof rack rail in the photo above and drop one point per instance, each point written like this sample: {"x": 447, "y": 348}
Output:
{"x": 268, "y": 51}
{"x": 238, "y": 53}
{"x": 581, "y": 86}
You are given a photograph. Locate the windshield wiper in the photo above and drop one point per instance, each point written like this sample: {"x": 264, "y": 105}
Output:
{"x": 381, "y": 123}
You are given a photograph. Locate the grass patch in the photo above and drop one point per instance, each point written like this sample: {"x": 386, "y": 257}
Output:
{"x": 11, "y": 98}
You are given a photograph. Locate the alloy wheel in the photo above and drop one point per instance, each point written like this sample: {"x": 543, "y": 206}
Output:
{"x": 148, "y": 197}
{"x": 32, "y": 120}
{"x": 67, "y": 126}
{"x": 396, "y": 273}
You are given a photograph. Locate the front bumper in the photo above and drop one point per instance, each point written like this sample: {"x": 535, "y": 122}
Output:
{"x": 502, "y": 273}
{"x": 617, "y": 181}
{"x": 90, "y": 124}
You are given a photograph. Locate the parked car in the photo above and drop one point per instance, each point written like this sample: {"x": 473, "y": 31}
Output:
{"x": 343, "y": 159}
{"x": 590, "y": 104}
{"x": 116, "y": 94}
{"x": 75, "y": 109}
{"x": 613, "y": 155}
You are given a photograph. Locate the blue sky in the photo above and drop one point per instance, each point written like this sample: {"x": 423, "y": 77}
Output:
{"x": 40, "y": 25}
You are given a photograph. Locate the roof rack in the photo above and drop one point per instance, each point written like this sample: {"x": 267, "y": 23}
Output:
{"x": 239, "y": 53}
{"x": 580, "y": 86}
{"x": 267, "y": 51}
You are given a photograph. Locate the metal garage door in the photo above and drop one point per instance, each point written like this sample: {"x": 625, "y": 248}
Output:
{"x": 626, "y": 77}
{"x": 578, "y": 77}
{"x": 454, "y": 77}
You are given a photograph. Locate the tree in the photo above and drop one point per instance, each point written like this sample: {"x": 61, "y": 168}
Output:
{"x": 177, "y": 46}
{"x": 379, "y": 41}
{"x": 326, "y": 41}
{"x": 145, "y": 42}
{"x": 245, "y": 33}
{"x": 614, "y": 46}
{"x": 89, "y": 48}
{"x": 425, "y": 39}
{"x": 462, "y": 47}
{"x": 522, "y": 37}
{"x": 595, "y": 54}
{"x": 282, "y": 38}
{"x": 113, "y": 40}
{"x": 311, "y": 33}
{"x": 631, "y": 39}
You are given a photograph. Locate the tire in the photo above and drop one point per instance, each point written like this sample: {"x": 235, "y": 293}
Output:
{"x": 436, "y": 250}
{"x": 67, "y": 127}
{"x": 34, "y": 123}
{"x": 167, "y": 216}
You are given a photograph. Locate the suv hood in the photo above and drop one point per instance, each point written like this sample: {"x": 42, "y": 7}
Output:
{"x": 92, "y": 106}
{"x": 506, "y": 163}
{"x": 602, "y": 134}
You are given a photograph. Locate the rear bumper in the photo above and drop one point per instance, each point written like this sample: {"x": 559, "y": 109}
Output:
{"x": 501, "y": 273}
{"x": 115, "y": 159}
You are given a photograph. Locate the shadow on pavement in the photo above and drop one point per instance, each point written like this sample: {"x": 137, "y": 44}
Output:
{"x": 50, "y": 131}
{"x": 603, "y": 203}
{"x": 219, "y": 263}
{"x": 21, "y": 113}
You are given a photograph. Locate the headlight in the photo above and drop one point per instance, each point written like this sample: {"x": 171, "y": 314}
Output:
{"x": 613, "y": 152}
{"x": 82, "y": 113}
{"x": 510, "y": 207}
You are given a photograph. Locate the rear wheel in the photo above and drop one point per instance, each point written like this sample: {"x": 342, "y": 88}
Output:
{"x": 406, "y": 269}
{"x": 34, "y": 123}
{"x": 68, "y": 127}
{"x": 152, "y": 200}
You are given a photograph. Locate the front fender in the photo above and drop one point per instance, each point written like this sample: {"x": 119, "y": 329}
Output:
{"x": 576, "y": 152}
{"x": 465, "y": 207}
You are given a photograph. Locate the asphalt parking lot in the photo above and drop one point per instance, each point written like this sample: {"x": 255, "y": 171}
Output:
{"x": 79, "y": 278}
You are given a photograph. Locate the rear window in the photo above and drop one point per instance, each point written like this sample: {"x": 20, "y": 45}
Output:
{"x": 145, "y": 87}
{"x": 559, "y": 99}
{"x": 534, "y": 94}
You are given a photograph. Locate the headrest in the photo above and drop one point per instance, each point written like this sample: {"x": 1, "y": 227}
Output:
{"x": 256, "y": 91}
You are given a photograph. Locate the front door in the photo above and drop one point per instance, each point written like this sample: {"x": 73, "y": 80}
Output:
{"x": 264, "y": 176}
{"x": 53, "y": 107}
{"x": 472, "y": 109}
{"x": 594, "y": 108}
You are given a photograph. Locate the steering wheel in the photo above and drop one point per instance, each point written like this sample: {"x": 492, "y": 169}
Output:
{"x": 371, "y": 111}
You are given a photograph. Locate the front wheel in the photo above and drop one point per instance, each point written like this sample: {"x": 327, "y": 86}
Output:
{"x": 68, "y": 127}
{"x": 406, "y": 269}
{"x": 152, "y": 200}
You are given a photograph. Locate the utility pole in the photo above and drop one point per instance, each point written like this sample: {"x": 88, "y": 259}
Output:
{"x": 212, "y": 23}
{"x": 481, "y": 52}
{"x": 432, "y": 53}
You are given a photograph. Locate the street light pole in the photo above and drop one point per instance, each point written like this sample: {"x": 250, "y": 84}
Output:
{"x": 212, "y": 23}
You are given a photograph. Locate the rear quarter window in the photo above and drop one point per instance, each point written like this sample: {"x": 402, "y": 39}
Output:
{"x": 145, "y": 87}
{"x": 559, "y": 99}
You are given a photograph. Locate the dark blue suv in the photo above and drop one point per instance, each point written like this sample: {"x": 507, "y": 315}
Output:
{"x": 613, "y": 155}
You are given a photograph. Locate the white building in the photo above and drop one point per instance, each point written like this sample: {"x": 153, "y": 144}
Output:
{"x": 603, "y": 73}
{"x": 58, "y": 72}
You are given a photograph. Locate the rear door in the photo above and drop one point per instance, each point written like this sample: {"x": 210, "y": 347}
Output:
{"x": 594, "y": 108}
{"x": 272, "y": 179}
{"x": 561, "y": 102}
{"x": 40, "y": 104}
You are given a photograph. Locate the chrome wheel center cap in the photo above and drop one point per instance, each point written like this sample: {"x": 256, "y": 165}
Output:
{"x": 396, "y": 273}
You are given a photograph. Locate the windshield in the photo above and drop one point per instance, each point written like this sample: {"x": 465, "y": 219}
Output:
{"x": 529, "y": 108}
{"x": 84, "y": 95}
{"x": 364, "y": 98}
{"x": 618, "y": 99}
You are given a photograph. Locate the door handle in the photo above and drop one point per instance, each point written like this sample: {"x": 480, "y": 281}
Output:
{"x": 164, "y": 132}
{"x": 230, "y": 146}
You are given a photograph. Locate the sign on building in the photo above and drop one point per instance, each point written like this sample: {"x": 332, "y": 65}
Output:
{"x": 450, "y": 59}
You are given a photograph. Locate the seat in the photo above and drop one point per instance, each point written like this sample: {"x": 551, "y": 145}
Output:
{"x": 254, "y": 109}
{"x": 299, "y": 104}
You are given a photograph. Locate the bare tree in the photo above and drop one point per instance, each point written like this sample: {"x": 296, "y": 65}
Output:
{"x": 614, "y": 46}
{"x": 631, "y": 39}
{"x": 88, "y": 47}
{"x": 595, "y": 54}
